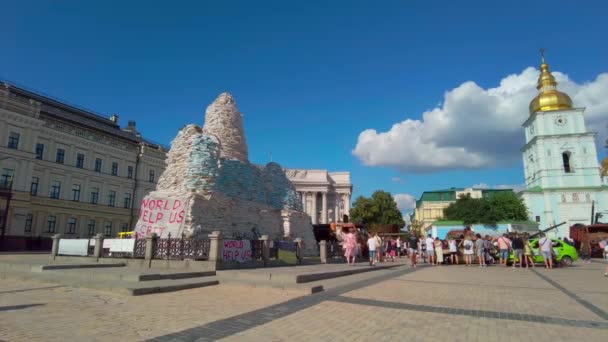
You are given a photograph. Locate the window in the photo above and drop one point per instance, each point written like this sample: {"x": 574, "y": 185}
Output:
{"x": 130, "y": 172}
{"x": 587, "y": 198}
{"x": 55, "y": 189}
{"x": 114, "y": 169}
{"x": 13, "y": 140}
{"x": 566, "y": 162}
{"x": 75, "y": 192}
{"x": 111, "y": 198}
{"x": 28, "y": 223}
{"x": 107, "y": 230}
{"x": 538, "y": 219}
{"x": 60, "y": 157}
{"x": 34, "y": 186}
{"x": 124, "y": 227}
{"x": 91, "y": 227}
{"x": 80, "y": 160}
{"x": 50, "y": 224}
{"x": 39, "y": 150}
{"x": 151, "y": 176}
{"x": 94, "y": 195}
{"x": 71, "y": 228}
{"x": 6, "y": 179}
{"x": 127, "y": 203}
{"x": 97, "y": 165}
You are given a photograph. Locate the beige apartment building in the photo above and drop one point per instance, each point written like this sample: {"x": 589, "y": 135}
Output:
{"x": 67, "y": 170}
{"x": 430, "y": 206}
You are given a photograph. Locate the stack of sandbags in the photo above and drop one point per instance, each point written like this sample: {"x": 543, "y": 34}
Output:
{"x": 224, "y": 120}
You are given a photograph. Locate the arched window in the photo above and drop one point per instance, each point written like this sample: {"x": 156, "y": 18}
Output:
{"x": 566, "y": 161}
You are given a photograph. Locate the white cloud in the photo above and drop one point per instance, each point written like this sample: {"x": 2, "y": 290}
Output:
{"x": 397, "y": 180}
{"x": 475, "y": 127}
{"x": 405, "y": 202}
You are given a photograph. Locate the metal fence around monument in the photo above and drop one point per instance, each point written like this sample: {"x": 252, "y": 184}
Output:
{"x": 181, "y": 248}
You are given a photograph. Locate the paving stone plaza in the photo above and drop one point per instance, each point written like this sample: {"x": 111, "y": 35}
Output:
{"x": 450, "y": 303}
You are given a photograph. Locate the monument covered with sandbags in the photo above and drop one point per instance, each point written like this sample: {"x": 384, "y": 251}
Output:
{"x": 209, "y": 185}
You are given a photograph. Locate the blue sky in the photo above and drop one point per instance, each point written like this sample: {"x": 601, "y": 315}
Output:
{"x": 308, "y": 76}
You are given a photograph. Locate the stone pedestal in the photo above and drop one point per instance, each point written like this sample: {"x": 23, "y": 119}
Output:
{"x": 299, "y": 250}
{"x": 265, "y": 249}
{"x": 323, "y": 251}
{"x": 150, "y": 241}
{"x": 215, "y": 247}
{"x": 98, "y": 251}
{"x": 55, "y": 248}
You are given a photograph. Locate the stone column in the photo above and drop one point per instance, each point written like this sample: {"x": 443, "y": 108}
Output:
{"x": 150, "y": 241}
{"x": 215, "y": 247}
{"x": 299, "y": 250}
{"x": 324, "y": 208}
{"x": 55, "y": 248}
{"x": 314, "y": 213}
{"x": 323, "y": 251}
{"x": 347, "y": 205}
{"x": 336, "y": 208}
{"x": 98, "y": 251}
{"x": 303, "y": 193}
{"x": 265, "y": 249}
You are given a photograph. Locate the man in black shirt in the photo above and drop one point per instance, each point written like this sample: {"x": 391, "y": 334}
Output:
{"x": 518, "y": 249}
{"x": 413, "y": 243}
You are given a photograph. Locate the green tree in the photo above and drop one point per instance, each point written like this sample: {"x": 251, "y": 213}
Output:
{"x": 380, "y": 210}
{"x": 500, "y": 206}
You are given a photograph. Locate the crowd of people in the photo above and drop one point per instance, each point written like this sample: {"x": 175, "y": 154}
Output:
{"x": 474, "y": 248}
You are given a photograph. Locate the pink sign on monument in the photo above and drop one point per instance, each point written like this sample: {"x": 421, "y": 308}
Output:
{"x": 236, "y": 250}
{"x": 161, "y": 216}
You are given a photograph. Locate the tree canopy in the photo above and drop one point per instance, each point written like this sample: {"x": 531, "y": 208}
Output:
{"x": 500, "y": 206}
{"x": 377, "y": 211}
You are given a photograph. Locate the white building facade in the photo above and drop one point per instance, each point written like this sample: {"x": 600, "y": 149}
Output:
{"x": 325, "y": 196}
{"x": 563, "y": 176}
{"x": 68, "y": 170}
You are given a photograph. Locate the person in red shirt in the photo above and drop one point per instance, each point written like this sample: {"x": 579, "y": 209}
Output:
{"x": 504, "y": 244}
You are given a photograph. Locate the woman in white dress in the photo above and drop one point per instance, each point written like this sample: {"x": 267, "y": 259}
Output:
{"x": 469, "y": 249}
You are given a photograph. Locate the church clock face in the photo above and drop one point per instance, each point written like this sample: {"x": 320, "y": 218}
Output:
{"x": 560, "y": 121}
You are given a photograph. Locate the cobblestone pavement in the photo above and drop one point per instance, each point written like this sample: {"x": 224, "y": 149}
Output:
{"x": 428, "y": 303}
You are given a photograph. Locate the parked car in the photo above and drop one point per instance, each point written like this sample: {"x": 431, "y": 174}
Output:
{"x": 565, "y": 253}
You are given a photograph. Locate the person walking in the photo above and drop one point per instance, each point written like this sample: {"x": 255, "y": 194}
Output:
{"x": 606, "y": 256}
{"x": 372, "y": 246}
{"x": 399, "y": 247}
{"x": 480, "y": 251}
{"x": 430, "y": 249}
{"x": 422, "y": 249}
{"x": 528, "y": 252}
{"x": 453, "y": 251}
{"x": 414, "y": 245}
{"x": 586, "y": 249}
{"x": 468, "y": 246}
{"x": 390, "y": 249}
{"x": 545, "y": 245}
{"x": 518, "y": 250}
{"x": 378, "y": 247}
{"x": 487, "y": 248}
{"x": 438, "y": 244}
{"x": 350, "y": 247}
{"x": 504, "y": 244}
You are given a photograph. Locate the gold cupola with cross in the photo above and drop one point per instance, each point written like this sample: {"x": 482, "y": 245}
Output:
{"x": 549, "y": 98}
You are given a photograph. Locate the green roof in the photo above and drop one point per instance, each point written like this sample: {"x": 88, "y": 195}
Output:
{"x": 450, "y": 194}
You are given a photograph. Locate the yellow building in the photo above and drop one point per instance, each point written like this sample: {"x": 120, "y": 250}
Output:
{"x": 430, "y": 206}
{"x": 69, "y": 170}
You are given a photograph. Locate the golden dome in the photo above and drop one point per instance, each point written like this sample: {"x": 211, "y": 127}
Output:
{"x": 549, "y": 98}
{"x": 605, "y": 167}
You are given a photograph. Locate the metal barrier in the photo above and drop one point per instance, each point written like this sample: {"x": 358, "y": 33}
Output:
{"x": 180, "y": 249}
